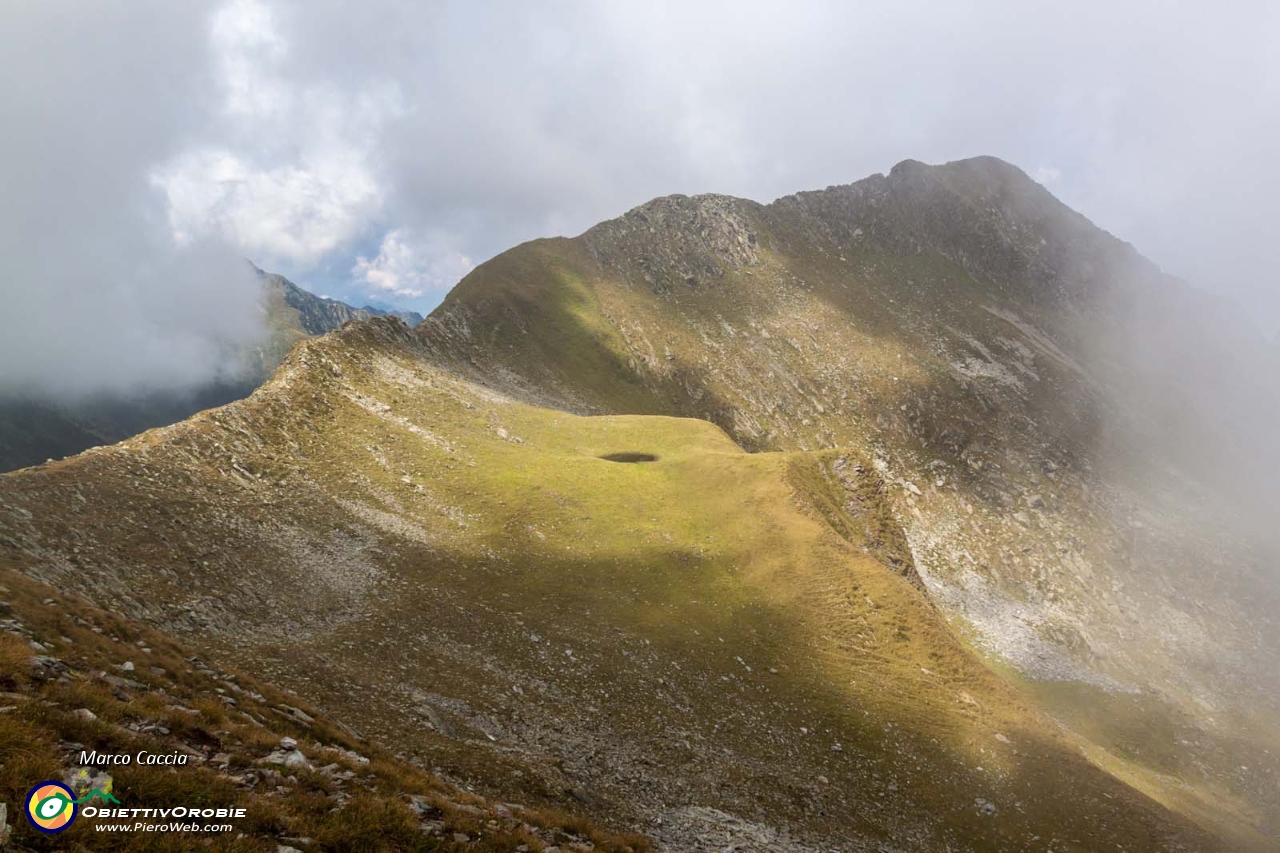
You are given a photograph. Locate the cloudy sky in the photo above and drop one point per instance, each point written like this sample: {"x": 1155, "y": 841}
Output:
{"x": 377, "y": 151}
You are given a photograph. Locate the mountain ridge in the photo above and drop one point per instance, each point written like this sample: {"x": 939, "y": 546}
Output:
{"x": 34, "y": 429}
{"x": 926, "y": 589}
{"x": 320, "y": 314}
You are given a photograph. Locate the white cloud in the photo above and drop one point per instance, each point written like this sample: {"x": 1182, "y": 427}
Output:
{"x": 247, "y": 47}
{"x": 97, "y": 298}
{"x": 291, "y": 176}
{"x": 410, "y": 268}
{"x": 297, "y": 212}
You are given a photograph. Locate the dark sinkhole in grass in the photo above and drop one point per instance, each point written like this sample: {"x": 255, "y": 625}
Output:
{"x": 630, "y": 457}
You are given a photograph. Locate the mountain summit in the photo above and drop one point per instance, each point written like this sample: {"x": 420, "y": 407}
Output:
{"x": 864, "y": 519}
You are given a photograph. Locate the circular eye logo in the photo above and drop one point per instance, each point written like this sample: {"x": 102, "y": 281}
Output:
{"x": 51, "y": 806}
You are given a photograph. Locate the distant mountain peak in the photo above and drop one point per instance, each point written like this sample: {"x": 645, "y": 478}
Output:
{"x": 320, "y": 314}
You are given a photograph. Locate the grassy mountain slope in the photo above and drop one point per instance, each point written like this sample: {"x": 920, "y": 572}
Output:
{"x": 1067, "y": 505}
{"x": 716, "y": 646}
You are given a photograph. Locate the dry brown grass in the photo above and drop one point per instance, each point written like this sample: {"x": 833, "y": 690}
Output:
{"x": 36, "y": 731}
{"x": 370, "y": 824}
{"x": 15, "y": 662}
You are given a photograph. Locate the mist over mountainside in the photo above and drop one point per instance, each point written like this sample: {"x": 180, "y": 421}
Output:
{"x": 37, "y": 426}
{"x": 896, "y": 515}
{"x": 36, "y": 429}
